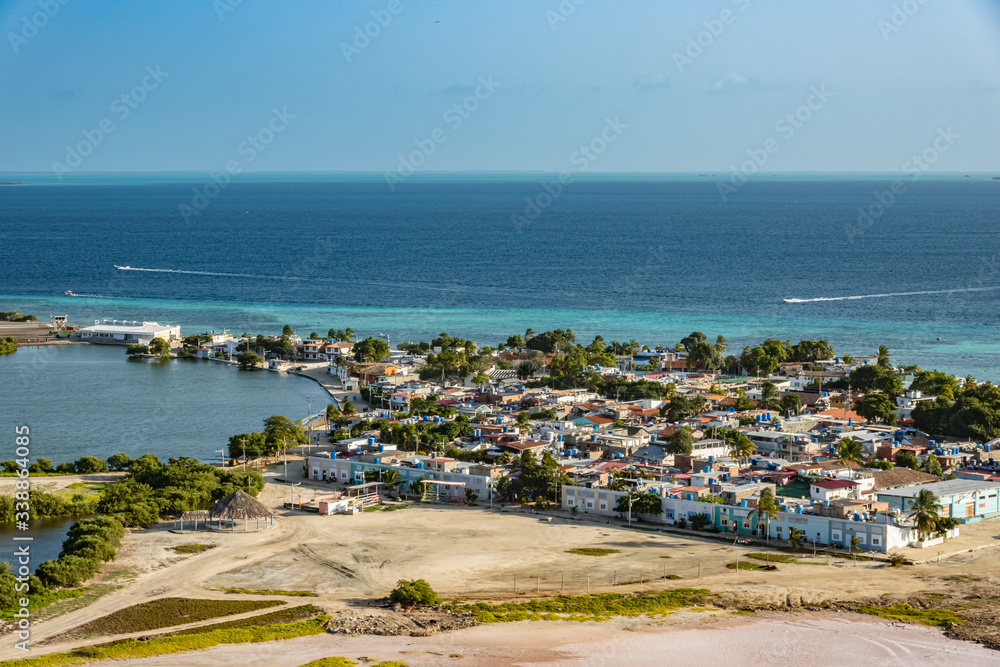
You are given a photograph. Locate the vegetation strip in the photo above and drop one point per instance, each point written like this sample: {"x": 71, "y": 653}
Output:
{"x": 267, "y": 591}
{"x": 131, "y": 649}
{"x": 166, "y": 612}
{"x": 939, "y": 618}
{"x": 587, "y": 607}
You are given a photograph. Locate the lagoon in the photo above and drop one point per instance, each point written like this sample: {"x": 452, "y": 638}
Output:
{"x": 91, "y": 400}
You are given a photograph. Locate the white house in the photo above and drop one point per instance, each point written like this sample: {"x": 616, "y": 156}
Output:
{"x": 831, "y": 489}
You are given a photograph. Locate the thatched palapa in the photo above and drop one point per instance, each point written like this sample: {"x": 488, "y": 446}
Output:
{"x": 238, "y": 506}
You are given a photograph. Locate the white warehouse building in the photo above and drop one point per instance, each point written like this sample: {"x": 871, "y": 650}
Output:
{"x": 128, "y": 332}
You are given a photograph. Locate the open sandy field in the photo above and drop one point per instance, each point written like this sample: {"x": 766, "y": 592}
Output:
{"x": 351, "y": 561}
{"x": 825, "y": 640}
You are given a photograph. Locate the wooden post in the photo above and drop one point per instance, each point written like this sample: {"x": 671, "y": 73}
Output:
{"x": 562, "y": 580}
{"x": 699, "y": 569}
{"x": 515, "y": 583}
{"x": 466, "y": 584}
{"x": 614, "y": 582}
{"x": 537, "y": 583}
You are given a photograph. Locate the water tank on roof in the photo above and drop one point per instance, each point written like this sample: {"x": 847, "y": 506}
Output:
{"x": 743, "y": 503}
{"x": 725, "y": 477}
{"x": 690, "y": 496}
{"x": 618, "y": 455}
{"x": 376, "y": 460}
{"x": 711, "y": 459}
{"x": 711, "y": 480}
{"x": 371, "y": 441}
{"x": 477, "y": 433}
{"x": 815, "y": 439}
{"x": 954, "y": 451}
{"x": 932, "y": 443}
{"x": 784, "y": 508}
{"x": 381, "y": 448}
{"x": 559, "y": 438}
{"x": 706, "y": 469}
{"x": 333, "y": 455}
{"x": 826, "y": 503}
{"x": 499, "y": 420}
{"x": 798, "y": 510}
{"x": 420, "y": 465}
{"x": 987, "y": 447}
{"x": 856, "y": 517}
{"x": 504, "y": 429}
{"x": 850, "y": 421}
{"x": 593, "y": 437}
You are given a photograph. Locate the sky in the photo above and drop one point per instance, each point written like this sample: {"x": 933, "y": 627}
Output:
{"x": 498, "y": 85}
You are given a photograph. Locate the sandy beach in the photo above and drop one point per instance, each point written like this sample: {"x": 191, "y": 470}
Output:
{"x": 823, "y": 640}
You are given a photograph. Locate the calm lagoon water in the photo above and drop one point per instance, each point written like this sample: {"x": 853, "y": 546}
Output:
{"x": 90, "y": 399}
{"x": 47, "y": 534}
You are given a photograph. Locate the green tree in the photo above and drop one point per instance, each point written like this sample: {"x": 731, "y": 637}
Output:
{"x": 703, "y": 356}
{"x": 850, "y": 451}
{"x": 791, "y": 404}
{"x": 689, "y": 342}
{"x": 88, "y": 465}
{"x": 413, "y": 592}
{"x": 681, "y": 442}
{"x": 137, "y": 350}
{"x": 877, "y": 408}
{"x": 254, "y": 445}
{"x": 932, "y": 466}
{"x": 795, "y": 538}
{"x": 281, "y": 432}
{"x": 119, "y": 462}
{"x": 349, "y": 409}
{"x": 741, "y": 447}
{"x": 159, "y": 346}
{"x": 287, "y": 330}
{"x": 906, "y": 460}
{"x": 767, "y": 509}
{"x": 855, "y": 547}
{"x": 768, "y": 396}
{"x": 371, "y": 349}
{"x": 884, "y": 357}
{"x": 248, "y": 360}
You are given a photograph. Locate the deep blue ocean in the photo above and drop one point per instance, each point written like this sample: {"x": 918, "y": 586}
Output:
{"x": 646, "y": 258}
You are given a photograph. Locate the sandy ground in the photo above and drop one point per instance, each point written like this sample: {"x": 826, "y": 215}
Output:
{"x": 55, "y": 483}
{"x": 820, "y": 639}
{"x": 349, "y": 561}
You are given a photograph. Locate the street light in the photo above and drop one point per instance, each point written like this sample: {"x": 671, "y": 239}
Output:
{"x": 222, "y": 455}
{"x": 291, "y": 491}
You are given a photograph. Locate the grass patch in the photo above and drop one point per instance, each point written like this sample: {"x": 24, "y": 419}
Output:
{"x": 129, "y": 649}
{"x": 165, "y": 612}
{"x": 267, "y": 591}
{"x": 774, "y": 558}
{"x": 586, "y": 607}
{"x": 330, "y": 662}
{"x": 592, "y": 551}
{"x": 938, "y": 618}
{"x": 745, "y": 565}
{"x": 192, "y": 548}
{"x": 88, "y": 486}
{"x": 282, "y": 616}
{"x": 384, "y": 508}
{"x": 44, "y": 600}
{"x": 72, "y": 603}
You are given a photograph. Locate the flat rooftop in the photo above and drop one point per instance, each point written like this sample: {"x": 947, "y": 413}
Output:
{"x": 949, "y": 487}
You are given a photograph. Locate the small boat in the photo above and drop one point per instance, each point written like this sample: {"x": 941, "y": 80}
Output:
{"x": 123, "y": 268}
{"x": 69, "y": 293}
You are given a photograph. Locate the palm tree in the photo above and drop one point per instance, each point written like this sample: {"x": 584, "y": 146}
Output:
{"x": 925, "y": 511}
{"x": 795, "y": 538}
{"x": 884, "y": 356}
{"x": 850, "y": 450}
{"x": 742, "y": 448}
{"x": 855, "y": 548}
{"x": 791, "y": 404}
{"x": 390, "y": 477}
{"x": 767, "y": 508}
{"x": 720, "y": 345}
{"x": 768, "y": 396}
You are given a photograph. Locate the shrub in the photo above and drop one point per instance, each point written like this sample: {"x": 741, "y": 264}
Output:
{"x": 898, "y": 560}
{"x": 67, "y": 571}
{"x": 591, "y": 551}
{"x": 414, "y": 592}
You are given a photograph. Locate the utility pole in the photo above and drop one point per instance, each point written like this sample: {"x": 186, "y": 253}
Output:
{"x": 222, "y": 455}
{"x": 244, "y": 454}
{"x": 284, "y": 455}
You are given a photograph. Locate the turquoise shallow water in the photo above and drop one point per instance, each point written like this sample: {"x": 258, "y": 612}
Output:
{"x": 963, "y": 349}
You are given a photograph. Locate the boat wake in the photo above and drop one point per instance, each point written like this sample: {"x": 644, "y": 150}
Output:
{"x": 322, "y": 279}
{"x": 890, "y": 294}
